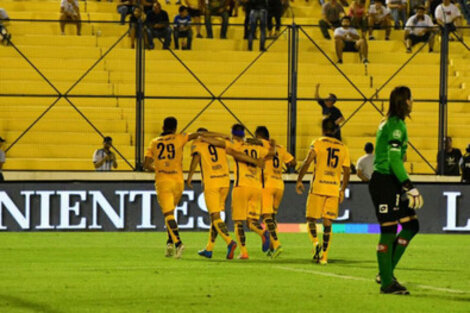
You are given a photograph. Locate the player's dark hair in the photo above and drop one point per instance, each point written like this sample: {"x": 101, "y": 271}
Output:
{"x": 238, "y": 130}
{"x": 201, "y": 129}
{"x": 170, "y": 124}
{"x": 398, "y": 105}
{"x": 181, "y": 9}
{"x": 262, "y": 131}
{"x": 328, "y": 126}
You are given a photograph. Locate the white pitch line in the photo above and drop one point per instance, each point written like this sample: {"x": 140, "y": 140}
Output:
{"x": 327, "y": 274}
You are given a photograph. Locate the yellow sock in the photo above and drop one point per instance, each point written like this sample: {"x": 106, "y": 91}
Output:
{"x": 240, "y": 233}
{"x": 312, "y": 232}
{"x": 212, "y": 237}
{"x": 222, "y": 230}
{"x": 172, "y": 228}
{"x": 255, "y": 226}
{"x": 272, "y": 232}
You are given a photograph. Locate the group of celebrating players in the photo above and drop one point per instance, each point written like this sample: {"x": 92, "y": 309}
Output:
{"x": 258, "y": 186}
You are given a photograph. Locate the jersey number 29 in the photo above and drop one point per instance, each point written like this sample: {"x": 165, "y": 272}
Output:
{"x": 170, "y": 148}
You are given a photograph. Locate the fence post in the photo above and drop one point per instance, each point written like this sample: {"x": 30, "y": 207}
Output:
{"x": 139, "y": 96}
{"x": 444, "y": 67}
{"x": 293, "y": 54}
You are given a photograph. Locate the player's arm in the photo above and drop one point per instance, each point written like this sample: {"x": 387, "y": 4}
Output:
{"x": 215, "y": 135}
{"x": 113, "y": 158}
{"x": 192, "y": 168}
{"x": 346, "y": 175}
{"x": 242, "y": 157}
{"x": 148, "y": 164}
{"x": 398, "y": 168}
{"x": 272, "y": 149}
{"x": 303, "y": 170}
{"x": 213, "y": 141}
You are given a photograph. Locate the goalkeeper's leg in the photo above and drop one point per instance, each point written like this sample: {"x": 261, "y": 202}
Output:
{"x": 409, "y": 230}
{"x": 385, "y": 252}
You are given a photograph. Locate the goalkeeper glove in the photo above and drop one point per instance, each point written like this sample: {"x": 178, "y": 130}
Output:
{"x": 415, "y": 200}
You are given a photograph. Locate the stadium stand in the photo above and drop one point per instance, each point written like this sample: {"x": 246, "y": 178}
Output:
{"x": 63, "y": 140}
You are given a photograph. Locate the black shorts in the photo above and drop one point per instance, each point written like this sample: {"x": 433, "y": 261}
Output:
{"x": 416, "y": 39}
{"x": 350, "y": 46}
{"x": 194, "y": 12}
{"x": 386, "y": 193}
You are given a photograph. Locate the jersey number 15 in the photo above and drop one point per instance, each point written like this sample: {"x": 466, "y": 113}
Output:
{"x": 333, "y": 159}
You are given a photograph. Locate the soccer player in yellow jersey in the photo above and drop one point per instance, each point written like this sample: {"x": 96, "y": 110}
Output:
{"x": 164, "y": 156}
{"x": 273, "y": 186}
{"x": 216, "y": 182}
{"x": 246, "y": 192}
{"x": 331, "y": 157}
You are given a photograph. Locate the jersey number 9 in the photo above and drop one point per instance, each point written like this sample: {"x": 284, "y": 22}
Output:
{"x": 213, "y": 153}
{"x": 332, "y": 157}
{"x": 170, "y": 148}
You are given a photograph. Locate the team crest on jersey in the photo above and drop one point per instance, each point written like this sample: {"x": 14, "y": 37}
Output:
{"x": 383, "y": 208}
{"x": 396, "y": 134}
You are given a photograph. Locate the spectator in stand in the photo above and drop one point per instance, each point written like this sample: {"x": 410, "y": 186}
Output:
{"x": 452, "y": 158}
{"x": 329, "y": 110}
{"x": 2, "y": 158}
{"x": 70, "y": 13}
{"x": 465, "y": 166}
{"x": 259, "y": 11}
{"x": 182, "y": 28}
{"x": 148, "y": 5}
{"x": 136, "y": 15}
{"x": 247, "y": 8}
{"x": 332, "y": 11}
{"x": 398, "y": 11}
{"x": 357, "y": 13}
{"x": 125, "y": 8}
{"x": 5, "y": 37}
{"x": 274, "y": 12}
{"x": 195, "y": 12}
{"x": 216, "y": 8}
{"x": 158, "y": 26}
{"x": 379, "y": 18}
{"x": 104, "y": 159}
{"x": 448, "y": 16}
{"x": 347, "y": 39}
{"x": 419, "y": 28}
{"x": 365, "y": 164}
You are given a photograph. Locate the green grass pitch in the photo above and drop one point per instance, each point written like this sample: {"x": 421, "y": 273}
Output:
{"x": 127, "y": 272}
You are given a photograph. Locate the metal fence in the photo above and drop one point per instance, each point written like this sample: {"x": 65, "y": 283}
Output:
{"x": 306, "y": 62}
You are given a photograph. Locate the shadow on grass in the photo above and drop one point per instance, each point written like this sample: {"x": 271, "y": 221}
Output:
{"x": 443, "y": 296}
{"x": 281, "y": 261}
{"x": 21, "y": 303}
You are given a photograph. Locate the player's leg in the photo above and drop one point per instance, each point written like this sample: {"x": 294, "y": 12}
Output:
{"x": 327, "y": 225}
{"x": 410, "y": 227}
{"x": 384, "y": 191}
{"x": 207, "y": 252}
{"x": 239, "y": 204}
{"x": 384, "y": 253}
{"x": 254, "y": 212}
{"x": 211, "y": 197}
{"x": 177, "y": 190}
{"x": 219, "y": 224}
{"x": 314, "y": 207}
{"x": 267, "y": 216}
{"x": 166, "y": 202}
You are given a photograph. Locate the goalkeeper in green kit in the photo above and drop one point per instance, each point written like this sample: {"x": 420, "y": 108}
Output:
{"x": 394, "y": 197}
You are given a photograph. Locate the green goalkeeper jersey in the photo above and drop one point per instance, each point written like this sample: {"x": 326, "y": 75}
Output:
{"x": 390, "y": 148}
